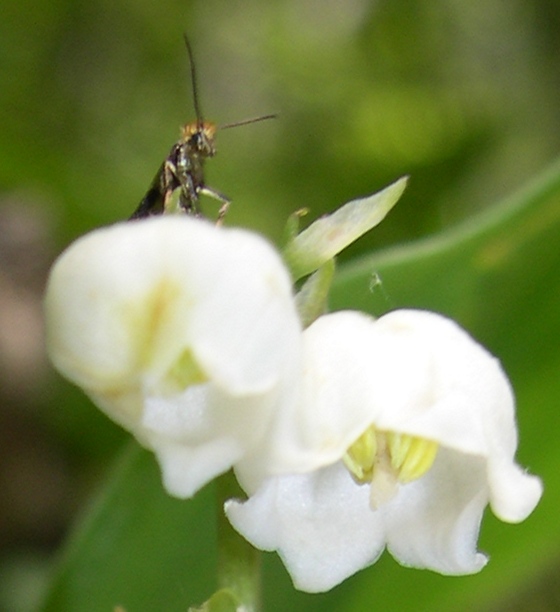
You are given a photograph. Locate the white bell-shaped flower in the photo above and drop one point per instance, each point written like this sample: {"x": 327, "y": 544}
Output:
{"x": 411, "y": 432}
{"x": 184, "y": 333}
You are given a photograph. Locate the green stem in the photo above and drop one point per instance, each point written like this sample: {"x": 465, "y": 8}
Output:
{"x": 239, "y": 567}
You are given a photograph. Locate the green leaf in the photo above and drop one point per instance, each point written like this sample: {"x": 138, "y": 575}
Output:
{"x": 137, "y": 547}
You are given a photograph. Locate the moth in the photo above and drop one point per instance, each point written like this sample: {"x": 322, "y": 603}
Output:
{"x": 183, "y": 168}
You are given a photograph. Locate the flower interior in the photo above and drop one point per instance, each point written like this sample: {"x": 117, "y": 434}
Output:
{"x": 185, "y": 372}
{"x": 386, "y": 459}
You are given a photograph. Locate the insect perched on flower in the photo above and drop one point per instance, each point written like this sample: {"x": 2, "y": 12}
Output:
{"x": 183, "y": 168}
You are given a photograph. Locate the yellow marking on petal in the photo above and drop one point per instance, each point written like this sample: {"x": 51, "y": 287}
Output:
{"x": 150, "y": 319}
{"x": 147, "y": 316}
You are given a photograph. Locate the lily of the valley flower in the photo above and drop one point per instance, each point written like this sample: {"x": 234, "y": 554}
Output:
{"x": 412, "y": 429}
{"x": 183, "y": 333}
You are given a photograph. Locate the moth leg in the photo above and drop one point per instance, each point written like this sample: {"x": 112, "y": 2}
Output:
{"x": 213, "y": 193}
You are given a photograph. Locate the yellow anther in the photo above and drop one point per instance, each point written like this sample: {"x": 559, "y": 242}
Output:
{"x": 360, "y": 457}
{"x": 419, "y": 459}
{"x": 399, "y": 445}
{"x": 401, "y": 457}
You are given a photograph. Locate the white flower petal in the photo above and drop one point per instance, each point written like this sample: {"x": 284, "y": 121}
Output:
{"x": 324, "y": 529}
{"x": 320, "y": 524}
{"x": 316, "y": 430}
{"x": 468, "y": 395}
{"x": 513, "y": 493}
{"x": 185, "y": 468}
{"x": 473, "y": 409}
{"x": 142, "y": 314}
{"x": 203, "y": 432}
{"x": 160, "y": 285}
{"x": 433, "y": 522}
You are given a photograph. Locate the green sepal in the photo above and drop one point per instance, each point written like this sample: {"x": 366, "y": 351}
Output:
{"x": 292, "y": 224}
{"x": 329, "y": 235}
{"x": 312, "y": 298}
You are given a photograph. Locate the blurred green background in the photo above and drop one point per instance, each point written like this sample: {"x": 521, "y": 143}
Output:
{"x": 462, "y": 96}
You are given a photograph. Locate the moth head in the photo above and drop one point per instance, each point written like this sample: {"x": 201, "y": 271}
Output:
{"x": 200, "y": 136}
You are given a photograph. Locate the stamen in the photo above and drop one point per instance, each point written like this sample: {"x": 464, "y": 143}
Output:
{"x": 386, "y": 459}
{"x": 419, "y": 459}
{"x": 184, "y": 373}
{"x": 360, "y": 457}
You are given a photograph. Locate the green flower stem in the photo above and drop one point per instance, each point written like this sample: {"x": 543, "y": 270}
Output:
{"x": 239, "y": 563}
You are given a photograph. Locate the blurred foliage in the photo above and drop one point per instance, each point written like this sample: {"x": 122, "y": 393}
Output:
{"x": 462, "y": 96}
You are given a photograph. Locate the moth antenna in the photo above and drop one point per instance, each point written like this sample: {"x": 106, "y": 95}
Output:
{"x": 246, "y": 121}
{"x": 194, "y": 82}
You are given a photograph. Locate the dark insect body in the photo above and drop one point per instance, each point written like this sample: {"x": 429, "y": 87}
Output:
{"x": 183, "y": 168}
